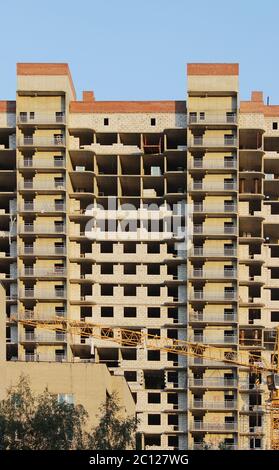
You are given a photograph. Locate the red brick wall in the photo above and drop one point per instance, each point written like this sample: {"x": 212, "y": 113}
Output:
{"x": 212, "y": 69}
{"x": 7, "y": 106}
{"x": 88, "y": 96}
{"x": 128, "y": 107}
{"x": 257, "y": 96}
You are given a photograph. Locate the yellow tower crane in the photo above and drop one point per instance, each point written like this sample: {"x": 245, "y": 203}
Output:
{"x": 138, "y": 338}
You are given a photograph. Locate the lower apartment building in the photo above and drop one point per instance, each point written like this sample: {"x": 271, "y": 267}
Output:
{"x": 158, "y": 216}
{"x": 72, "y": 382}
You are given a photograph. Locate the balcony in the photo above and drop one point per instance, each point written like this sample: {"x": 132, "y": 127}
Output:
{"x": 42, "y": 294}
{"x": 213, "y": 382}
{"x": 205, "y": 118}
{"x": 45, "y": 358}
{"x": 42, "y": 163}
{"x": 214, "y": 230}
{"x": 210, "y": 252}
{"x": 47, "y": 185}
{"x": 41, "y": 118}
{"x": 30, "y": 337}
{"x": 253, "y": 408}
{"x": 42, "y": 229}
{"x": 250, "y": 339}
{"x": 217, "y": 427}
{"x": 213, "y": 186}
{"x": 246, "y": 385}
{"x": 214, "y": 208}
{"x": 213, "y": 296}
{"x": 254, "y": 430}
{"x": 213, "y": 405}
{"x": 43, "y": 251}
{"x": 206, "y": 318}
{"x": 11, "y": 298}
{"x": 230, "y": 339}
{"x": 226, "y": 141}
{"x": 30, "y": 357}
{"x": 29, "y": 141}
{"x": 31, "y": 207}
{"x": 46, "y": 314}
{"x": 43, "y": 272}
{"x": 204, "y": 164}
{"x": 213, "y": 273}
{"x": 202, "y": 362}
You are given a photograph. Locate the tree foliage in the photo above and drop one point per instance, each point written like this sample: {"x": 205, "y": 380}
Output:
{"x": 29, "y": 422}
{"x": 113, "y": 432}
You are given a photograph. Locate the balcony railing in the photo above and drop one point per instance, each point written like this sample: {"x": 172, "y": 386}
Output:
{"x": 254, "y": 408}
{"x": 29, "y": 141}
{"x": 213, "y": 186}
{"x": 200, "y": 361}
{"x": 212, "y": 164}
{"x": 200, "y": 251}
{"x": 248, "y": 342}
{"x": 30, "y": 250}
{"x": 30, "y": 357}
{"x": 51, "y": 185}
{"x": 213, "y": 382}
{"x": 30, "y": 228}
{"x": 46, "y": 314}
{"x": 200, "y": 295}
{"x": 43, "y": 294}
{"x": 42, "y": 163}
{"x": 254, "y": 430}
{"x": 212, "y": 118}
{"x": 45, "y": 358}
{"x": 44, "y": 118}
{"x": 43, "y": 272}
{"x": 214, "y": 405}
{"x": 203, "y": 317}
{"x": 11, "y": 297}
{"x": 199, "y": 207}
{"x": 30, "y": 207}
{"x": 199, "y": 141}
{"x": 246, "y": 385}
{"x": 43, "y": 338}
{"x": 213, "y": 274}
{"x": 230, "y": 339}
{"x": 215, "y": 230}
{"x": 201, "y": 426}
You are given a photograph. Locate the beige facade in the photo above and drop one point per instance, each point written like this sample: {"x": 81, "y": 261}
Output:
{"x": 85, "y": 384}
{"x": 68, "y": 168}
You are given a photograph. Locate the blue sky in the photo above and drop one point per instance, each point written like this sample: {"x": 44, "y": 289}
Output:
{"x": 138, "y": 49}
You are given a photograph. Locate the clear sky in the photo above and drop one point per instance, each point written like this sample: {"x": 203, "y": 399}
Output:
{"x": 138, "y": 49}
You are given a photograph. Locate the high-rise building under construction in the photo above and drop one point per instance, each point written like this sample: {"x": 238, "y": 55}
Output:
{"x": 80, "y": 184}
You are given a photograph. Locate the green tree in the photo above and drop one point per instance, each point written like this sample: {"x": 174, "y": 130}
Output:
{"x": 206, "y": 446}
{"x": 39, "y": 422}
{"x": 223, "y": 446}
{"x": 29, "y": 422}
{"x": 113, "y": 432}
